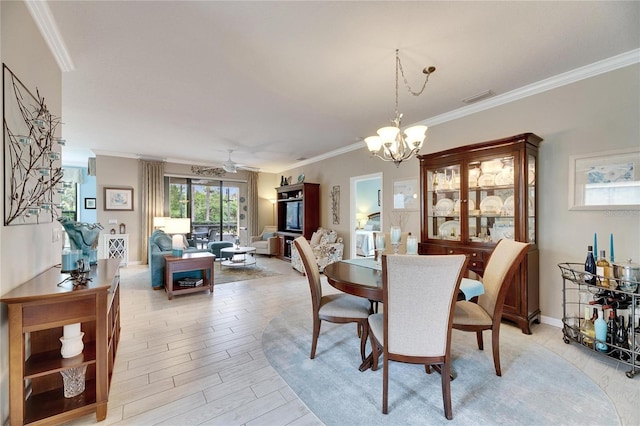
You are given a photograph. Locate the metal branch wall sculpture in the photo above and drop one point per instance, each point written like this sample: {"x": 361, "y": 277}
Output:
{"x": 32, "y": 165}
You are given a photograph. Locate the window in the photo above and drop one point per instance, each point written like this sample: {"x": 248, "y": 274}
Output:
{"x": 69, "y": 200}
{"x": 212, "y": 206}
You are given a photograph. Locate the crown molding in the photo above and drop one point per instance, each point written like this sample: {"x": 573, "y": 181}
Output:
{"x": 41, "y": 14}
{"x": 601, "y": 67}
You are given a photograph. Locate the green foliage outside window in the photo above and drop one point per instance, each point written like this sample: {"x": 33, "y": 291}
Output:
{"x": 206, "y": 208}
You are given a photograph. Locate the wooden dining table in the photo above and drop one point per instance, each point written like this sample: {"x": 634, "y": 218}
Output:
{"x": 363, "y": 278}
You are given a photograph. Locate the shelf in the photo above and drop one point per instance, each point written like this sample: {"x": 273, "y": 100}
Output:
{"x": 44, "y": 363}
{"x": 47, "y": 405}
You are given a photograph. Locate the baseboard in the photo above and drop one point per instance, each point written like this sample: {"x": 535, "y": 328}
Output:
{"x": 551, "y": 321}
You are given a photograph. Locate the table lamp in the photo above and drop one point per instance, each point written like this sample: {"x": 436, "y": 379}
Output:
{"x": 177, "y": 227}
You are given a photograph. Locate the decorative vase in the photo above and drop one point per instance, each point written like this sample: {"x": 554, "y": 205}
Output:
{"x": 73, "y": 379}
{"x": 71, "y": 346}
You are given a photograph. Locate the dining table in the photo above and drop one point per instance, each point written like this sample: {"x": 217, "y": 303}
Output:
{"x": 362, "y": 277}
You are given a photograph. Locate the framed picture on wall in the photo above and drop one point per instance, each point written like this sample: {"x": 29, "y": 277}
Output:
{"x": 90, "y": 203}
{"x": 605, "y": 181}
{"x": 405, "y": 195}
{"x": 118, "y": 198}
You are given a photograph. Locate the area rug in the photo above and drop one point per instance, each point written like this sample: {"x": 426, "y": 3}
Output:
{"x": 226, "y": 275}
{"x": 537, "y": 387}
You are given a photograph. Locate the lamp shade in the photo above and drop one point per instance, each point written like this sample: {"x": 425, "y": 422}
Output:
{"x": 159, "y": 222}
{"x": 388, "y": 134}
{"x": 177, "y": 225}
{"x": 373, "y": 143}
{"x": 415, "y": 135}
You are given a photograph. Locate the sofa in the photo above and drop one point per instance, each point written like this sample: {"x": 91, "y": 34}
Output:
{"x": 266, "y": 242}
{"x": 327, "y": 248}
{"x": 159, "y": 245}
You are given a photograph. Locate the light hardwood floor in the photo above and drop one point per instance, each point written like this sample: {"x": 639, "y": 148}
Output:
{"x": 198, "y": 359}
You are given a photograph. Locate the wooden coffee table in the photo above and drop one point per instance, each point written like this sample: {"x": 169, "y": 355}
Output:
{"x": 188, "y": 262}
{"x": 238, "y": 256}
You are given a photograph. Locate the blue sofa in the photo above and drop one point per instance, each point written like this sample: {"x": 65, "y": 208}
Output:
{"x": 159, "y": 245}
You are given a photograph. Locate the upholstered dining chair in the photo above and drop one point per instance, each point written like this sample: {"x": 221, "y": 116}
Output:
{"x": 418, "y": 293}
{"x": 336, "y": 308}
{"x": 487, "y": 313}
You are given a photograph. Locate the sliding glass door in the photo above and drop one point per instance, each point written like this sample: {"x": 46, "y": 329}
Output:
{"x": 212, "y": 206}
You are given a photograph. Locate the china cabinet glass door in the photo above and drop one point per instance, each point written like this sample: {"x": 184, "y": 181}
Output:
{"x": 492, "y": 202}
{"x": 443, "y": 202}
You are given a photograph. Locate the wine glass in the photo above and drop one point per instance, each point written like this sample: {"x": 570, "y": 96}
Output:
{"x": 380, "y": 242}
{"x": 396, "y": 234}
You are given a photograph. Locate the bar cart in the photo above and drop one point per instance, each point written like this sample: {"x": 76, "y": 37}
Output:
{"x": 578, "y": 294}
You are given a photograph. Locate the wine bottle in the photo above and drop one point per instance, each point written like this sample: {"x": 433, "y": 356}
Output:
{"x": 622, "y": 339}
{"x": 587, "y": 328}
{"x": 600, "y": 327}
{"x": 584, "y": 326}
{"x": 612, "y": 328}
{"x": 603, "y": 269}
{"x": 590, "y": 267}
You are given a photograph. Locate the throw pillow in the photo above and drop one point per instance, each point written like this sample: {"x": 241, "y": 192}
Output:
{"x": 315, "y": 238}
{"x": 329, "y": 237}
{"x": 164, "y": 242}
{"x": 268, "y": 235}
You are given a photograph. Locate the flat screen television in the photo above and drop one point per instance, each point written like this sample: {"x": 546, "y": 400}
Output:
{"x": 294, "y": 216}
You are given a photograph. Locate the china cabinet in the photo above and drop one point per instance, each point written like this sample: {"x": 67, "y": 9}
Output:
{"x": 38, "y": 310}
{"x": 473, "y": 196}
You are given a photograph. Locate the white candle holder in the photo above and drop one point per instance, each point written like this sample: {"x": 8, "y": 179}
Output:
{"x": 71, "y": 340}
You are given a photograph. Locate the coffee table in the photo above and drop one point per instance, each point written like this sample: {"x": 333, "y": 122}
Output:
{"x": 188, "y": 262}
{"x": 236, "y": 257}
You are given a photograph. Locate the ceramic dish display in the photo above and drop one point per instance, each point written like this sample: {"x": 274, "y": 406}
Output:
{"x": 456, "y": 206}
{"x": 492, "y": 166}
{"x": 449, "y": 230}
{"x": 444, "y": 206}
{"x": 491, "y": 205}
{"x": 505, "y": 177}
{"x": 508, "y": 206}
{"x": 486, "y": 179}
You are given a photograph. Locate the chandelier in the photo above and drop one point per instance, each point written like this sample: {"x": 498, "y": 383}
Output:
{"x": 392, "y": 144}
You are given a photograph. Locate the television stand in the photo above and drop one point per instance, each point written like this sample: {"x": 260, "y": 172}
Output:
{"x": 298, "y": 214}
{"x": 286, "y": 239}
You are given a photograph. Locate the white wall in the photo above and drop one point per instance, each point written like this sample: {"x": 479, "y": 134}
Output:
{"x": 593, "y": 115}
{"x": 25, "y": 250}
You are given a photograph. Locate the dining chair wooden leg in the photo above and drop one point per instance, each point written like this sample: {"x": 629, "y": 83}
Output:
{"x": 385, "y": 384}
{"x": 314, "y": 339}
{"x": 359, "y": 325}
{"x": 363, "y": 338}
{"x": 375, "y": 352}
{"x": 495, "y": 343}
{"x": 446, "y": 390}
{"x": 427, "y": 368}
{"x": 479, "y": 339}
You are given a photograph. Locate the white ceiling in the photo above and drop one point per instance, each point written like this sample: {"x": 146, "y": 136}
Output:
{"x": 279, "y": 81}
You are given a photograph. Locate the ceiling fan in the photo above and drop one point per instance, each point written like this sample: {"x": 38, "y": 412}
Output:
{"x": 228, "y": 166}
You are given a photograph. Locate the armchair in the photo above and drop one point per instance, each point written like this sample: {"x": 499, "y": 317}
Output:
{"x": 327, "y": 248}
{"x": 266, "y": 242}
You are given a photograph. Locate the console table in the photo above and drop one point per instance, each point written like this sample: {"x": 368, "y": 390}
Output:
{"x": 38, "y": 309}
